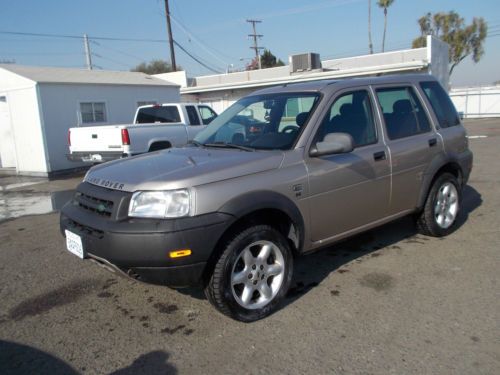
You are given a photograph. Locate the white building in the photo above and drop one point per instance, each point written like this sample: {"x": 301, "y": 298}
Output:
{"x": 39, "y": 104}
{"x": 222, "y": 90}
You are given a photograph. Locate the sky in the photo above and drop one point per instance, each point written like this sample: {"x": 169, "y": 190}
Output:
{"x": 215, "y": 32}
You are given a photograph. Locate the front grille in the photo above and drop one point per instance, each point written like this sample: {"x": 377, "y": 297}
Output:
{"x": 97, "y": 205}
{"x": 85, "y": 229}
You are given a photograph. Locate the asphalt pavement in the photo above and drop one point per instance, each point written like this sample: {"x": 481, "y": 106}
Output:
{"x": 389, "y": 301}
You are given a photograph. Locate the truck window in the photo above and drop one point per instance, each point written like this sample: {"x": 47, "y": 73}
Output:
{"x": 404, "y": 115}
{"x": 206, "y": 113}
{"x": 162, "y": 114}
{"x": 441, "y": 104}
{"x": 351, "y": 113}
{"x": 192, "y": 115}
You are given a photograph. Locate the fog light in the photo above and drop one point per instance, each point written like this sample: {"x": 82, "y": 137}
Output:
{"x": 180, "y": 253}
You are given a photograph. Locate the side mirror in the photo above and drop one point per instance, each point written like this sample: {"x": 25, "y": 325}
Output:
{"x": 333, "y": 143}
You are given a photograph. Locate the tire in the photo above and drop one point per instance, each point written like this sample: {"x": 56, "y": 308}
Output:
{"x": 442, "y": 207}
{"x": 243, "y": 285}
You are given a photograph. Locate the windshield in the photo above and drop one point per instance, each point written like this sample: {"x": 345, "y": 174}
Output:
{"x": 163, "y": 114}
{"x": 266, "y": 122}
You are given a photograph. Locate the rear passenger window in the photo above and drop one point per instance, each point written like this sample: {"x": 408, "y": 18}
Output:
{"x": 404, "y": 115}
{"x": 192, "y": 115}
{"x": 441, "y": 104}
{"x": 351, "y": 113}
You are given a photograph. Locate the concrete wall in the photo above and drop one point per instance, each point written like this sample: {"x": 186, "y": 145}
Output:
{"x": 477, "y": 102}
{"x": 61, "y": 111}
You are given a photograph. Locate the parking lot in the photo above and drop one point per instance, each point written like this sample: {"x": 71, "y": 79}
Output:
{"x": 390, "y": 301}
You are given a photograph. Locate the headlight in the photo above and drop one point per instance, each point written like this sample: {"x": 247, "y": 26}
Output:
{"x": 160, "y": 204}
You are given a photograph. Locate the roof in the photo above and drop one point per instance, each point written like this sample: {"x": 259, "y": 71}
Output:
{"x": 42, "y": 74}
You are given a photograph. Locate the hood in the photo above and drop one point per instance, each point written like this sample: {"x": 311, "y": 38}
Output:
{"x": 181, "y": 168}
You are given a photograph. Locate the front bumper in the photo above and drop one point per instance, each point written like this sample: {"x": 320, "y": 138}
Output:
{"x": 141, "y": 247}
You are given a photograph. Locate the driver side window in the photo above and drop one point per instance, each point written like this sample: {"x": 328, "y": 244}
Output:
{"x": 351, "y": 113}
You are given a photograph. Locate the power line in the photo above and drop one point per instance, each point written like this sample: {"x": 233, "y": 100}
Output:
{"x": 81, "y": 37}
{"x": 196, "y": 59}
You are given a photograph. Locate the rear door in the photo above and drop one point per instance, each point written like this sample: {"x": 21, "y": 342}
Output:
{"x": 412, "y": 142}
{"x": 352, "y": 189}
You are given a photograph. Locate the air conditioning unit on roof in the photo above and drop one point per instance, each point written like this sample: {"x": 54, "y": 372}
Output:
{"x": 304, "y": 62}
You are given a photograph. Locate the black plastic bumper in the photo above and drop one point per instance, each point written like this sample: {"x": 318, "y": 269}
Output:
{"x": 141, "y": 247}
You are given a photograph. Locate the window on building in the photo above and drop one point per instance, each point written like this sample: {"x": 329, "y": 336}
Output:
{"x": 93, "y": 112}
{"x": 441, "y": 103}
{"x": 404, "y": 115}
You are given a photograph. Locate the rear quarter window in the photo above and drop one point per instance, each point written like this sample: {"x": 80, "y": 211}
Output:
{"x": 441, "y": 104}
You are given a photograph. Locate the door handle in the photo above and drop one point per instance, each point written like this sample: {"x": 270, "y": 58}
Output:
{"x": 432, "y": 142}
{"x": 379, "y": 156}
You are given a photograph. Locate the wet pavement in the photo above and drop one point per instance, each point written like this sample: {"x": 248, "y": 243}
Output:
{"x": 22, "y": 196}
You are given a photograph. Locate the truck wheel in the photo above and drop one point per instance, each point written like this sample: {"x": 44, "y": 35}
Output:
{"x": 442, "y": 207}
{"x": 252, "y": 275}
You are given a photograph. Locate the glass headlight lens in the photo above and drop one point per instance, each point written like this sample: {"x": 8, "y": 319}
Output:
{"x": 160, "y": 204}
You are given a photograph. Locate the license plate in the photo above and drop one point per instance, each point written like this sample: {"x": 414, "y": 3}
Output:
{"x": 74, "y": 243}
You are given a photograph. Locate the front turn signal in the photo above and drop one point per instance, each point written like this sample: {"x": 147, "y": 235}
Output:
{"x": 180, "y": 253}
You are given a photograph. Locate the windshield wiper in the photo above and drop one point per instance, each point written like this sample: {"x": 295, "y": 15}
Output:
{"x": 228, "y": 145}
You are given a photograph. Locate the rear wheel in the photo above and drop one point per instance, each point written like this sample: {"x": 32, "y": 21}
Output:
{"x": 442, "y": 207}
{"x": 252, "y": 275}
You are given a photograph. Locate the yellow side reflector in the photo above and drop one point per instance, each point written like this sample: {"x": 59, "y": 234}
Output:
{"x": 180, "y": 253}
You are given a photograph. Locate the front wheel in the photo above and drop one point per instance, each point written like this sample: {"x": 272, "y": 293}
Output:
{"x": 252, "y": 275}
{"x": 442, "y": 207}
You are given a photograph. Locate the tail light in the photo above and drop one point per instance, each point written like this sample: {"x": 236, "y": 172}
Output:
{"x": 69, "y": 137}
{"x": 125, "y": 137}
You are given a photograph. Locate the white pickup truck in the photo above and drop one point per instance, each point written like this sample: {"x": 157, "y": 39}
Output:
{"x": 155, "y": 127}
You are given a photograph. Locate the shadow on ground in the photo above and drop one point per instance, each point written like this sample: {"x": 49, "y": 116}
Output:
{"x": 151, "y": 363}
{"x": 23, "y": 359}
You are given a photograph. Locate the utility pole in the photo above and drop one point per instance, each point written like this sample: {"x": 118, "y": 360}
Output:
{"x": 170, "y": 39}
{"x": 88, "y": 55}
{"x": 255, "y": 37}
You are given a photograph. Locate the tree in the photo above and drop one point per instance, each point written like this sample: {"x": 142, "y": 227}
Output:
{"x": 370, "y": 44}
{"x": 154, "y": 67}
{"x": 464, "y": 40}
{"x": 384, "y": 4}
{"x": 267, "y": 60}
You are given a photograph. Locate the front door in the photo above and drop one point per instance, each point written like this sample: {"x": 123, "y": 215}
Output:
{"x": 352, "y": 189}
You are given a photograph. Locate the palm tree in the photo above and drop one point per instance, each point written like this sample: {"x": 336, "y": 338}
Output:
{"x": 370, "y": 44}
{"x": 384, "y": 4}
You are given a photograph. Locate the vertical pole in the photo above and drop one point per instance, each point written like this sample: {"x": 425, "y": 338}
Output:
{"x": 255, "y": 37}
{"x": 170, "y": 39}
{"x": 88, "y": 56}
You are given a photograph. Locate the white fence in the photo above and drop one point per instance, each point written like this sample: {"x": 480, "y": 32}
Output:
{"x": 477, "y": 102}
